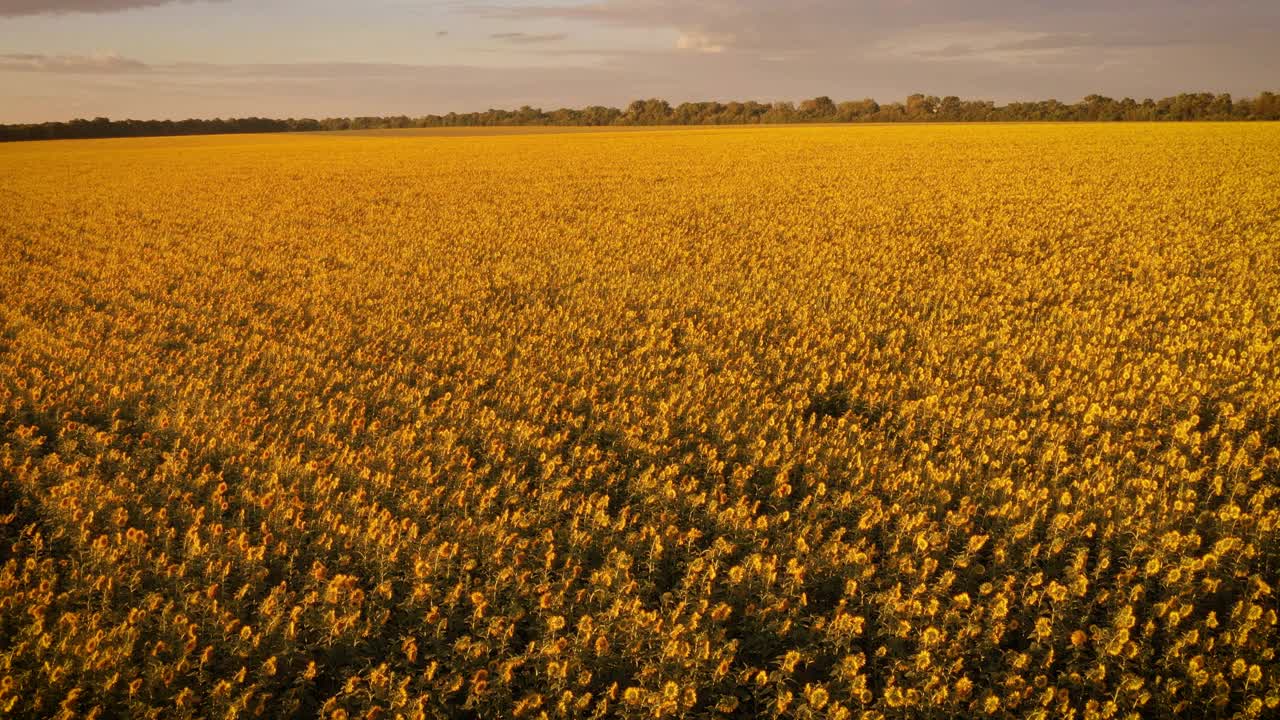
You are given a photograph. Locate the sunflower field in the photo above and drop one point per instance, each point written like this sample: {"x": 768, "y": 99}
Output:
{"x": 803, "y": 422}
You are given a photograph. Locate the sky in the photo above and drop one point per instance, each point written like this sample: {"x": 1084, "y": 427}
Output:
{"x": 61, "y": 59}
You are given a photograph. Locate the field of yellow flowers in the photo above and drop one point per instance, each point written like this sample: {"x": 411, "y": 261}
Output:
{"x": 881, "y": 422}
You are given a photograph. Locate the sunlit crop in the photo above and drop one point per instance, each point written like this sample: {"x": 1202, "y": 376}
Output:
{"x": 810, "y": 422}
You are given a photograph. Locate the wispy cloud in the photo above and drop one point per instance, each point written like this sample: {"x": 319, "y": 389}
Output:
{"x": 71, "y": 64}
{"x": 704, "y": 42}
{"x": 1017, "y": 46}
{"x": 523, "y": 38}
{"x": 846, "y": 27}
{"x": 178, "y": 90}
{"x": 17, "y": 8}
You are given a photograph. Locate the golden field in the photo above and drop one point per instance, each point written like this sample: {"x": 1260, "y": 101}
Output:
{"x": 811, "y": 422}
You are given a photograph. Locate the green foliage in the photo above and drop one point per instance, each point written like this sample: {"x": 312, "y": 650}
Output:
{"x": 918, "y": 108}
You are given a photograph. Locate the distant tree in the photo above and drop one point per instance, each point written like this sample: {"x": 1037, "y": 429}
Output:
{"x": 950, "y": 108}
{"x": 919, "y": 107}
{"x": 819, "y": 108}
{"x": 856, "y": 110}
{"x": 528, "y": 116}
{"x": 598, "y": 115}
{"x": 893, "y": 112}
{"x": 780, "y": 112}
{"x": 1266, "y": 107}
{"x": 647, "y": 112}
{"x": 1221, "y": 107}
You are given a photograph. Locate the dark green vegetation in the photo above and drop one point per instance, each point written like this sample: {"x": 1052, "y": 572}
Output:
{"x": 917, "y": 108}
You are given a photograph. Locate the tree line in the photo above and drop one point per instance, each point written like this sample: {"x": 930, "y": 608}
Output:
{"x": 917, "y": 108}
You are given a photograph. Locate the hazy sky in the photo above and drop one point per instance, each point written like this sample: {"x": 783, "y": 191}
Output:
{"x": 218, "y": 58}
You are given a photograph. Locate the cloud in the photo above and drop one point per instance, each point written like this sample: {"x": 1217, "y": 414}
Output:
{"x": 849, "y": 26}
{"x": 1016, "y": 46}
{"x": 521, "y": 38}
{"x": 350, "y": 89}
{"x": 703, "y": 42}
{"x": 109, "y": 63}
{"x": 184, "y": 90}
{"x": 17, "y": 8}
{"x": 1002, "y": 50}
